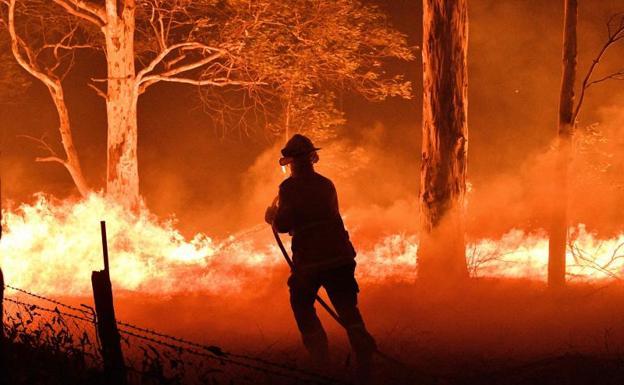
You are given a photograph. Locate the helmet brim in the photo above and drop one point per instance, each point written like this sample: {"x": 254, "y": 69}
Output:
{"x": 289, "y": 159}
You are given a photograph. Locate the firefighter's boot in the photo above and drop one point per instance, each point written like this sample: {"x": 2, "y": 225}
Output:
{"x": 317, "y": 346}
{"x": 364, "y": 347}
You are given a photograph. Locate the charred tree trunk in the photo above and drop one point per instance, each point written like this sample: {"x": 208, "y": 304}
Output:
{"x": 122, "y": 176}
{"x": 559, "y": 222}
{"x": 441, "y": 253}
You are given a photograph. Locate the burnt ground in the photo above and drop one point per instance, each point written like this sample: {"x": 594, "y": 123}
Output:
{"x": 488, "y": 331}
{"x": 485, "y": 332}
{"x": 22, "y": 364}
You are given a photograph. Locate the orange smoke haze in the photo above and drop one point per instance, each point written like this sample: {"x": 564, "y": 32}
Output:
{"x": 199, "y": 261}
{"x": 51, "y": 246}
{"x": 217, "y": 186}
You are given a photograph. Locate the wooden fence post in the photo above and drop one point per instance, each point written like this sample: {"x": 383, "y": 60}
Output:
{"x": 3, "y": 368}
{"x": 1, "y": 280}
{"x": 1, "y": 309}
{"x": 3, "y": 345}
{"x": 114, "y": 367}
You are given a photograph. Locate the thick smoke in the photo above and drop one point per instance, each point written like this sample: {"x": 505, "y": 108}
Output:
{"x": 221, "y": 185}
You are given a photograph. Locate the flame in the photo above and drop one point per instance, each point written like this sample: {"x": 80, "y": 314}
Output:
{"x": 52, "y": 246}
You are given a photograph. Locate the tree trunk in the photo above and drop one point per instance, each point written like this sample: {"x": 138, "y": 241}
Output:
{"x": 559, "y": 224}
{"x": 122, "y": 176}
{"x": 441, "y": 253}
{"x": 72, "y": 163}
{"x": 53, "y": 83}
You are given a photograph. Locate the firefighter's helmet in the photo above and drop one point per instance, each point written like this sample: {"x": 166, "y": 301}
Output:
{"x": 297, "y": 147}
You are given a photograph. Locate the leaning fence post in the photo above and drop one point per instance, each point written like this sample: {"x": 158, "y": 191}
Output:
{"x": 1, "y": 280}
{"x": 1, "y": 308}
{"x": 1, "y": 311}
{"x": 110, "y": 340}
{"x": 3, "y": 369}
{"x": 3, "y": 344}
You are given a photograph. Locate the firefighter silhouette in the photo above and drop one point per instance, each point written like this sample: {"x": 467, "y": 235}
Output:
{"x": 323, "y": 255}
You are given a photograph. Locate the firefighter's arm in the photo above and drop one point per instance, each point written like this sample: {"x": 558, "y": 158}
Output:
{"x": 283, "y": 220}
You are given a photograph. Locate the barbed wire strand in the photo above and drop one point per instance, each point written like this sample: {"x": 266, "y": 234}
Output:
{"x": 217, "y": 351}
{"x": 43, "y": 298}
{"x": 225, "y": 359}
{"x": 33, "y": 306}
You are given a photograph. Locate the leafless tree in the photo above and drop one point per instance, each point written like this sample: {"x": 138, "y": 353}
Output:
{"x": 615, "y": 34}
{"x": 13, "y": 83}
{"x": 558, "y": 225}
{"x": 568, "y": 117}
{"x": 48, "y": 57}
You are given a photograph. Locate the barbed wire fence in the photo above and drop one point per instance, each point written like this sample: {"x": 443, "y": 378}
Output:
{"x": 151, "y": 356}
{"x": 60, "y": 340}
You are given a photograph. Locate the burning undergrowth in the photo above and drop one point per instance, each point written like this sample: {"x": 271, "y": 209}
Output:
{"x": 51, "y": 247}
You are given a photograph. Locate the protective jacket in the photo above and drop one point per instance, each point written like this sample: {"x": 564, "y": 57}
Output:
{"x": 308, "y": 210}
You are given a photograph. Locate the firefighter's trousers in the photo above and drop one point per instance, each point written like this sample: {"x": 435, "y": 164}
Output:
{"x": 342, "y": 289}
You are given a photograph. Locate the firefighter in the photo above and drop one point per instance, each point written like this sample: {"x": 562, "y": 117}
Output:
{"x": 322, "y": 254}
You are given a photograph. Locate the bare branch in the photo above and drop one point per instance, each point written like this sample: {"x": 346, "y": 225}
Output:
{"x": 86, "y": 11}
{"x": 153, "y": 79}
{"x": 98, "y": 91}
{"x": 51, "y": 159}
{"x": 89, "y": 7}
{"x": 191, "y": 66}
{"x": 45, "y": 146}
{"x": 57, "y": 47}
{"x": 159, "y": 30}
{"x": 163, "y": 54}
{"x": 219, "y": 82}
{"x": 614, "y": 35}
{"x": 65, "y": 43}
{"x": 175, "y": 61}
{"x": 614, "y": 76}
{"x": 28, "y": 62}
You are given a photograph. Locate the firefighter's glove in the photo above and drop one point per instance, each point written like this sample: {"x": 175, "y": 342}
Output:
{"x": 270, "y": 214}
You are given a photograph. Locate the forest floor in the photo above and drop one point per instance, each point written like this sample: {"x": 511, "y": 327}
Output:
{"x": 488, "y": 331}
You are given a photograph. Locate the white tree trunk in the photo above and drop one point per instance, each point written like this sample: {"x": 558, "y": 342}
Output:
{"x": 28, "y": 62}
{"x": 72, "y": 163}
{"x": 122, "y": 176}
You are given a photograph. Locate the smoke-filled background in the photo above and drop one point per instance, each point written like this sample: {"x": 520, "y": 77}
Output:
{"x": 219, "y": 183}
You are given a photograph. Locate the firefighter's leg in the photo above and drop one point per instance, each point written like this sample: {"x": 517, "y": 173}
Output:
{"x": 302, "y": 297}
{"x": 342, "y": 289}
